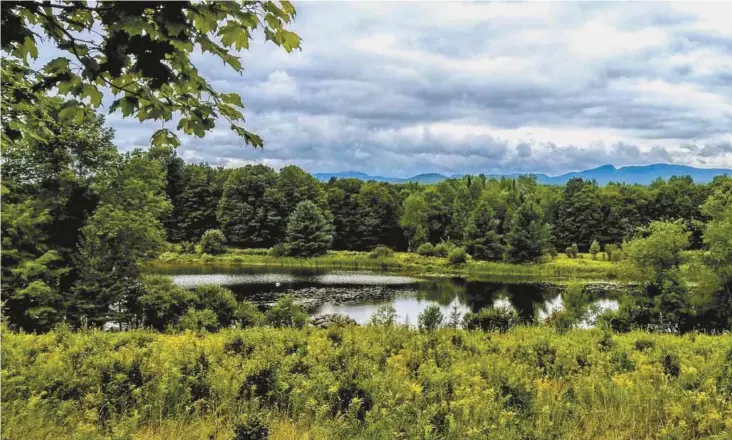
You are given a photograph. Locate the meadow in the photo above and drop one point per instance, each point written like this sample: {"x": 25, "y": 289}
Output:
{"x": 369, "y": 382}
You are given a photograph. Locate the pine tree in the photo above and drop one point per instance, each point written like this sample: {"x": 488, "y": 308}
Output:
{"x": 481, "y": 237}
{"x": 308, "y": 232}
{"x": 528, "y": 235}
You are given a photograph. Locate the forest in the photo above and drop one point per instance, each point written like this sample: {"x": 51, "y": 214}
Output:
{"x": 96, "y": 346}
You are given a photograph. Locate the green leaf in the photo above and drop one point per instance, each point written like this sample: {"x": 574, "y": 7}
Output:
{"x": 164, "y": 137}
{"x": 94, "y": 95}
{"x": 57, "y": 65}
{"x": 234, "y": 34}
{"x": 249, "y": 137}
{"x": 128, "y": 104}
{"x": 72, "y": 113}
{"x": 232, "y": 99}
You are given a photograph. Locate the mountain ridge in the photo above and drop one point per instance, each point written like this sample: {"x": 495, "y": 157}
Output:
{"x": 640, "y": 174}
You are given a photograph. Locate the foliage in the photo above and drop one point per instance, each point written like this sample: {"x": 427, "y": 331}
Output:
{"x": 431, "y": 319}
{"x": 385, "y": 316}
{"x": 572, "y": 251}
{"x": 212, "y": 242}
{"x": 612, "y": 251}
{"x": 426, "y": 250}
{"x": 499, "y": 319}
{"x": 481, "y": 236}
{"x": 594, "y": 249}
{"x": 285, "y": 313}
{"x": 378, "y": 382}
{"x": 414, "y": 220}
{"x": 143, "y": 58}
{"x": 248, "y": 315}
{"x": 457, "y": 257}
{"x": 198, "y": 320}
{"x": 381, "y": 251}
{"x": 443, "y": 248}
{"x": 309, "y": 234}
{"x": 528, "y": 235}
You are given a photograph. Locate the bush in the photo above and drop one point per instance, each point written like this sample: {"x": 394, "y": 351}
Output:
{"x": 443, "y": 249}
{"x": 162, "y": 302}
{"x": 426, "y": 250}
{"x": 251, "y": 428}
{"x": 457, "y": 257}
{"x": 198, "y": 320}
{"x": 249, "y": 315}
{"x": 610, "y": 249}
{"x": 385, "y": 315}
{"x": 594, "y": 249}
{"x": 381, "y": 251}
{"x": 277, "y": 250}
{"x": 219, "y": 299}
{"x": 561, "y": 320}
{"x": 572, "y": 251}
{"x": 491, "y": 319}
{"x": 431, "y": 319}
{"x": 212, "y": 242}
{"x": 285, "y": 313}
{"x": 187, "y": 247}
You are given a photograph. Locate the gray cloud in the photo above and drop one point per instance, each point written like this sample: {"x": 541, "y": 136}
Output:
{"x": 481, "y": 87}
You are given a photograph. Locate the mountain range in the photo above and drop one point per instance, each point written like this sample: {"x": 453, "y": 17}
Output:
{"x": 642, "y": 174}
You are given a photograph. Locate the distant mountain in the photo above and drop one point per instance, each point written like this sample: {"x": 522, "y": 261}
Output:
{"x": 643, "y": 174}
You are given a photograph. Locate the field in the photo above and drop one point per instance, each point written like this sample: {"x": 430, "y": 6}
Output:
{"x": 557, "y": 268}
{"x": 366, "y": 383}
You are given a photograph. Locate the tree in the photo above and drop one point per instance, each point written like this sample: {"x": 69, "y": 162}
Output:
{"x": 580, "y": 217}
{"x": 656, "y": 251}
{"x": 481, "y": 236}
{"x": 431, "y": 319}
{"x": 124, "y": 230}
{"x": 308, "y": 232}
{"x": 414, "y": 220}
{"x": 343, "y": 203}
{"x": 285, "y": 313}
{"x": 528, "y": 236}
{"x": 141, "y": 51}
{"x": 379, "y": 217}
{"x": 248, "y": 212}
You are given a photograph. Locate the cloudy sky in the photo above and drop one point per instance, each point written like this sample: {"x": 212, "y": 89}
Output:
{"x": 405, "y": 88}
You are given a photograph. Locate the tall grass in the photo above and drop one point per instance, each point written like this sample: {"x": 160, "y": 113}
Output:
{"x": 366, "y": 383}
{"x": 559, "y": 267}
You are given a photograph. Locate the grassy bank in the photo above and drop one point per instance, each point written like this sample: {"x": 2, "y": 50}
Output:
{"x": 365, "y": 382}
{"x": 559, "y": 267}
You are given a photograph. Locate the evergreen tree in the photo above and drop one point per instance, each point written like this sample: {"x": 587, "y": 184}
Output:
{"x": 342, "y": 197}
{"x": 379, "y": 213}
{"x": 580, "y": 217}
{"x": 308, "y": 232}
{"x": 528, "y": 235}
{"x": 481, "y": 236}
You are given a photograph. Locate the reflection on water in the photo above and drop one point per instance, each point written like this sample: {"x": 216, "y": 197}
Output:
{"x": 411, "y": 296}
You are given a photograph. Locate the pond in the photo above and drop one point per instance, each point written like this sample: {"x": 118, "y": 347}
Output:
{"x": 359, "y": 294}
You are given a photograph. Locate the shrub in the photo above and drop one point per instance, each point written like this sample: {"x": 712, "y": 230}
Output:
{"x": 572, "y": 251}
{"x": 251, "y": 427}
{"x": 381, "y": 251}
{"x": 426, "y": 250}
{"x": 457, "y": 257}
{"x": 610, "y": 250}
{"x": 443, "y": 249}
{"x": 212, "y": 242}
{"x": 491, "y": 319}
{"x": 249, "y": 315}
{"x": 431, "y": 319}
{"x": 285, "y": 313}
{"x": 198, "y": 320}
{"x": 594, "y": 249}
{"x": 162, "y": 302}
{"x": 277, "y": 250}
{"x": 219, "y": 299}
{"x": 561, "y": 320}
{"x": 188, "y": 247}
{"x": 385, "y": 315}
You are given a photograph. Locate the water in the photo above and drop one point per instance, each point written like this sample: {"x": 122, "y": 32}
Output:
{"x": 359, "y": 294}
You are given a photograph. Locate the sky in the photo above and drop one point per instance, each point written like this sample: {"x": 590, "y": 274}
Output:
{"x": 399, "y": 89}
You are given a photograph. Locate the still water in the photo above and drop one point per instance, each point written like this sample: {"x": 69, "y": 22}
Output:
{"x": 361, "y": 293}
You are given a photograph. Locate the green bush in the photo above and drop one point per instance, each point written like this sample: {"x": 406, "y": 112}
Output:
{"x": 187, "y": 247}
{"x": 277, "y": 250}
{"x": 198, "y": 320}
{"x": 385, "y": 315}
{"x": 431, "y": 319}
{"x": 426, "y": 250}
{"x": 285, "y": 313}
{"x": 248, "y": 315}
{"x": 163, "y": 303}
{"x": 491, "y": 319}
{"x": 572, "y": 251}
{"x": 443, "y": 249}
{"x": 381, "y": 251}
{"x": 212, "y": 242}
{"x": 457, "y": 257}
{"x": 219, "y": 299}
{"x": 594, "y": 249}
{"x": 561, "y": 320}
